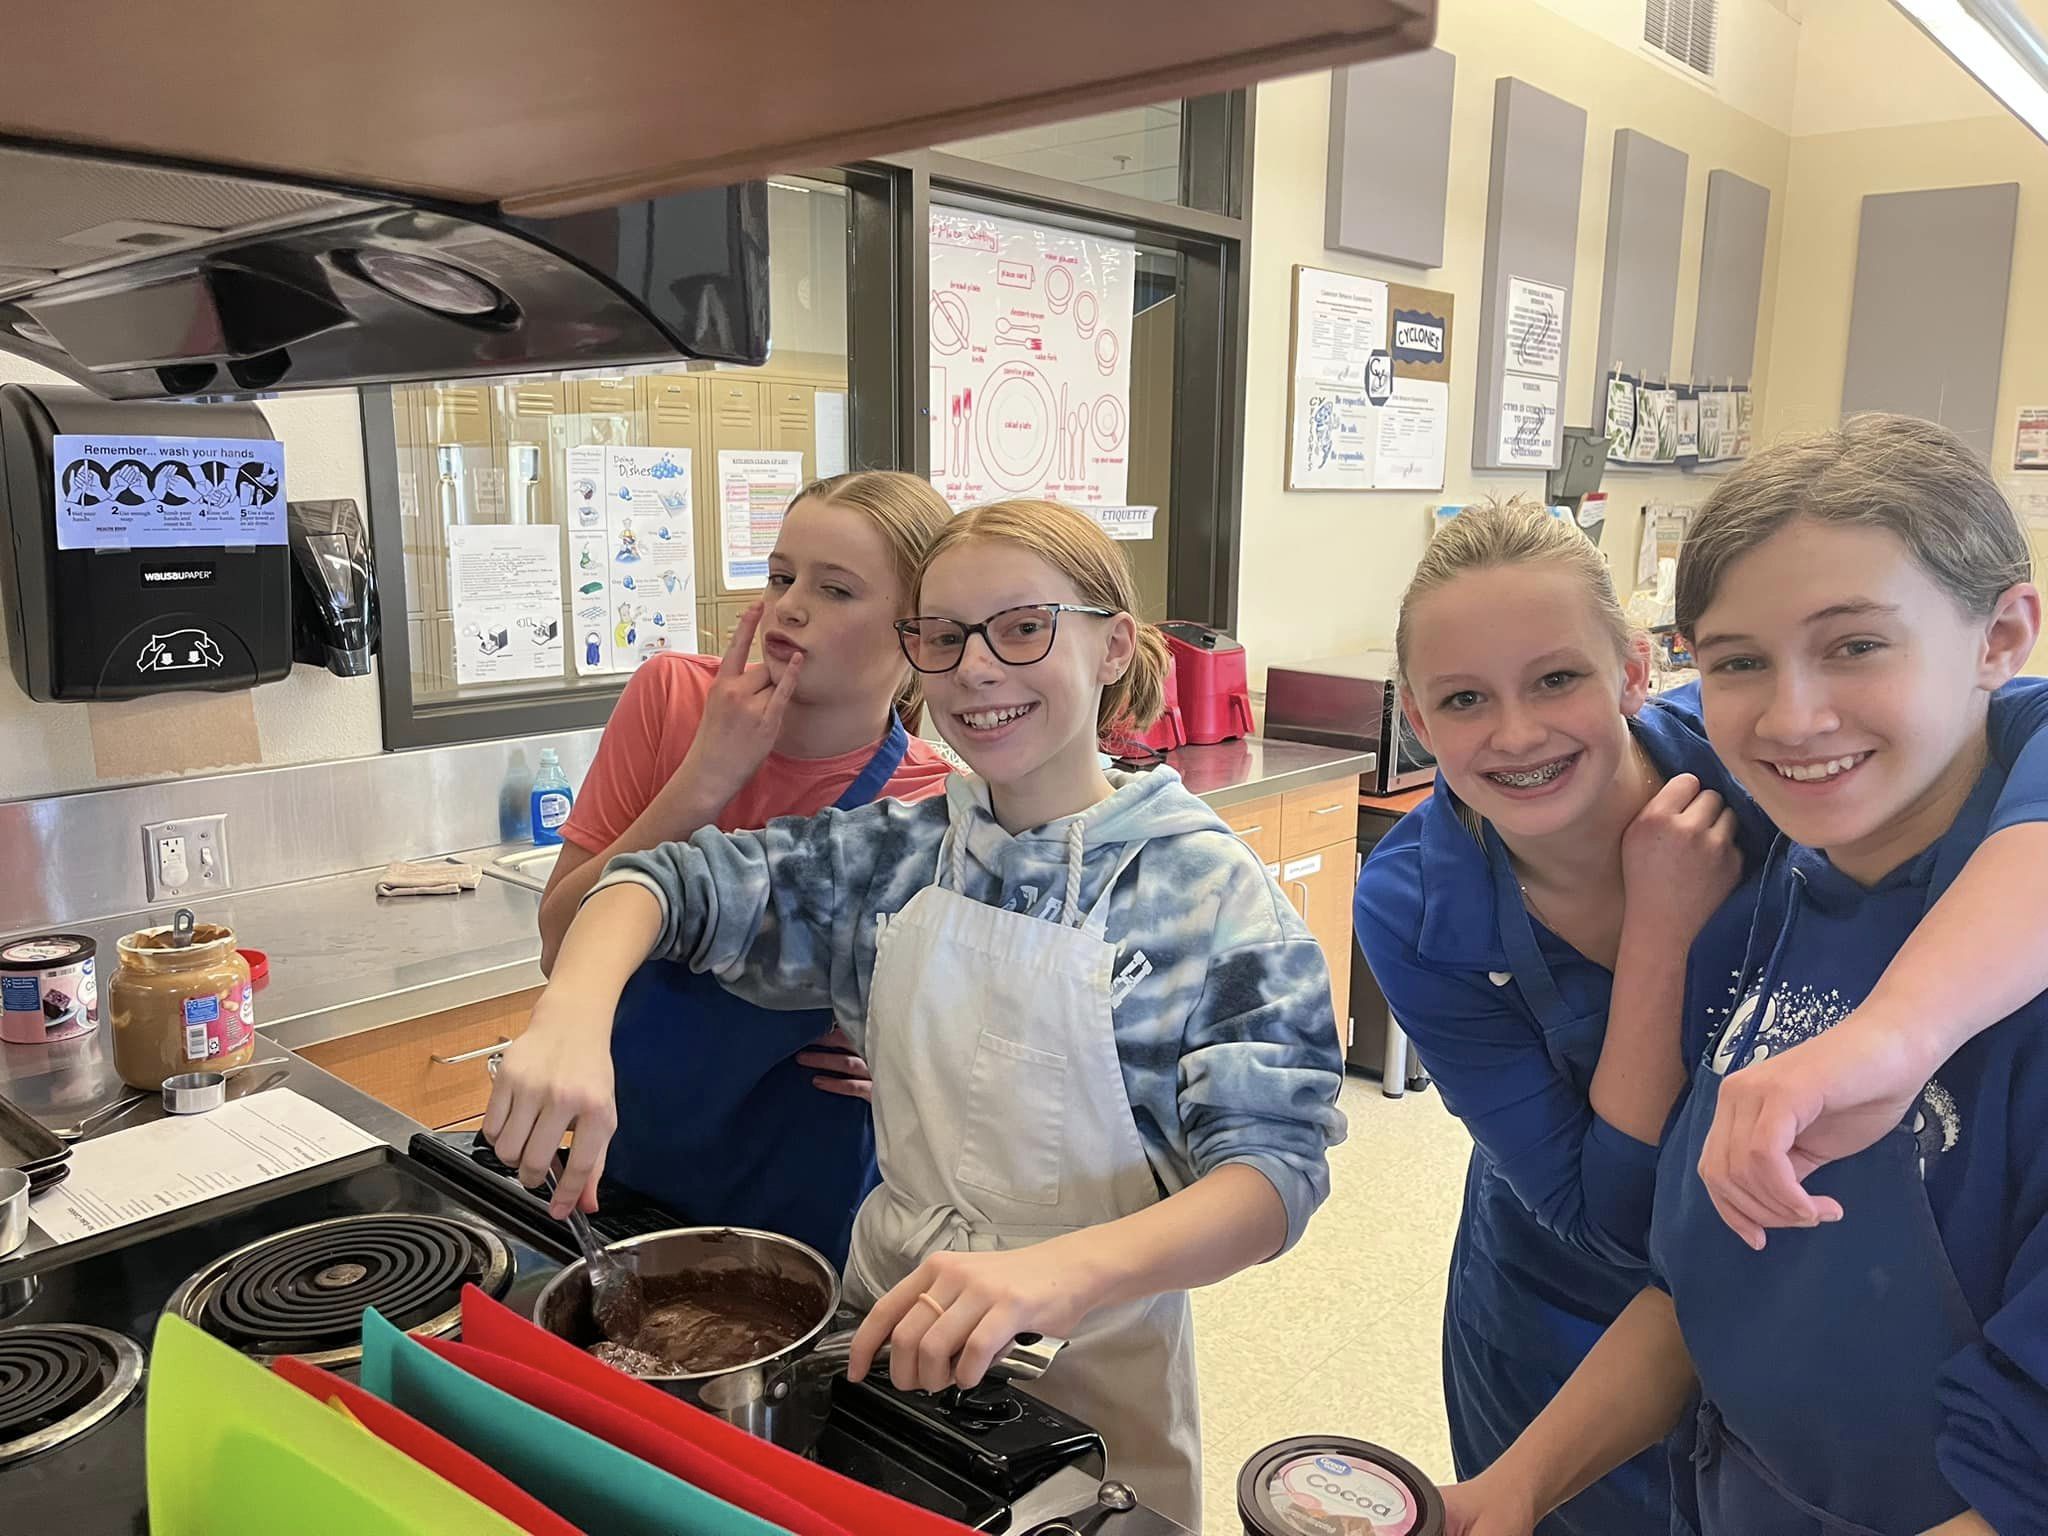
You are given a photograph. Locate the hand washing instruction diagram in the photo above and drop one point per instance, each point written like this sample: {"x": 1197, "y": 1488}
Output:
{"x": 505, "y": 590}
{"x": 168, "y": 492}
{"x": 1030, "y": 361}
{"x": 632, "y": 555}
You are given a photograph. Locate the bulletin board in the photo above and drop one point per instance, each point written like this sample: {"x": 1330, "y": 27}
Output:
{"x": 1369, "y": 384}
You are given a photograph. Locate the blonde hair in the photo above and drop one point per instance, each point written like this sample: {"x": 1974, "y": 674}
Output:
{"x": 1075, "y": 545}
{"x": 909, "y": 515}
{"x": 1908, "y": 477}
{"x": 1515, "y": 532}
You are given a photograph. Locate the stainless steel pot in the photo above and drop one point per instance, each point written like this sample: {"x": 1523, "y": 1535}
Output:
{"x": 756, "y": 1396}
{"x": 784, "y": 1397}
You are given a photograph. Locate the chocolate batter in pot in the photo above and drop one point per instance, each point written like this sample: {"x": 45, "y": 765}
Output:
{"x": 696, "y": 1324}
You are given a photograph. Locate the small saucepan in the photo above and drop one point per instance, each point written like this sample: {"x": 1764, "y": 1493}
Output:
{"x": 784, "y": 1396}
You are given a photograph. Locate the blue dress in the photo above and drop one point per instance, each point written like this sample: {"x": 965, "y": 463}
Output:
{"x": 1510, "y": 1019}
{"x": 720, "y": 1123}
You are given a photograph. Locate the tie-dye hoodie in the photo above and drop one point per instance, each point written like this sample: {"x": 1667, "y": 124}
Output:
{"x": 1221, "y": 998}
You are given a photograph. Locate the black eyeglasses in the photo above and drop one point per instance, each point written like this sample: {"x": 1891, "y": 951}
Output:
{"x": 1016, "y": 637}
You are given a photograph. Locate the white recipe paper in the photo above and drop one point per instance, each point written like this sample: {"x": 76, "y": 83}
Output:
{"x": 505, "y": 589}
{"x": 169, "y": 1164}
{"x": 754, "y": 491}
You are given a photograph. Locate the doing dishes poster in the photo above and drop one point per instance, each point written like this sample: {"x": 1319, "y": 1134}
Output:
{"x": 632, "y": 556}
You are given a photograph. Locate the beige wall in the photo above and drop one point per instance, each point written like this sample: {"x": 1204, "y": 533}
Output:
{"x": 1831, "y": 174}
{"x": 308, "y": 716}
{"x": 1366, "y": 544}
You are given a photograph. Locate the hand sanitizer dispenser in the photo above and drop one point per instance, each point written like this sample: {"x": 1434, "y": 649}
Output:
{"x": 145, "y": 546}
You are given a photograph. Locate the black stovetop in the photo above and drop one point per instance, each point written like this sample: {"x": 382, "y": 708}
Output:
{"x": 446, "y": 1217}
{"x": 95, "y": 1485}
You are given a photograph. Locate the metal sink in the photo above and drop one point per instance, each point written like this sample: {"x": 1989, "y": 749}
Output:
{"x": 529, "y": 867}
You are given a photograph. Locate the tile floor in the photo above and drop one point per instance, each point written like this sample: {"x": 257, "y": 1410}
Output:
{"x": 1341, "y": 1336}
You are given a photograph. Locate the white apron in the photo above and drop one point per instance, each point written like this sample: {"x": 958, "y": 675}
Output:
{"x": 1000, "y": 1121}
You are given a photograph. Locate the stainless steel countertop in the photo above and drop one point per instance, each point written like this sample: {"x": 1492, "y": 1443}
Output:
{"x": 1233, "y": 772}
{"x": 61, "y": 1084}
{"x": 344, "y": 960}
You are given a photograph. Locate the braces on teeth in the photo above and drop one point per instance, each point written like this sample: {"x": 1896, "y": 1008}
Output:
{"x": 1530, "y": 778}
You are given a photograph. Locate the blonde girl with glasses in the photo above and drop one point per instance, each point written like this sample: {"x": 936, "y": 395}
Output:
{"x": 1105, "y": 1066}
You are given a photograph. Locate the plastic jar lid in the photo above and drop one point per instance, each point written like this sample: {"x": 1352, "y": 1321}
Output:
{"x": 45, "y": 951}
{"x": 259, "y": 965}
{"x": 1327, "y": 1485}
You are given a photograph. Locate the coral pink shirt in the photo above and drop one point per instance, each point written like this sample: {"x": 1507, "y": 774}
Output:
{"x": 650, "y": 733}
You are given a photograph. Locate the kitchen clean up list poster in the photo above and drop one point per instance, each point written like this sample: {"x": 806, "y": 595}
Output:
{"x": 505, "y": 591}
{"x": 754, "y": 492}
{"x": 1030, "y": 361}
{"x": 632, "y": 555}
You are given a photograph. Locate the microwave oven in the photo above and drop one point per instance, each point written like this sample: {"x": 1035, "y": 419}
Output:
{"x": 1353, "y": 702}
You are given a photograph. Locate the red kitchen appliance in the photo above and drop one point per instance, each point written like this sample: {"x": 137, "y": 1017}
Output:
{"x": 1170, "y": 730}
{"x": 1209, "y": 682}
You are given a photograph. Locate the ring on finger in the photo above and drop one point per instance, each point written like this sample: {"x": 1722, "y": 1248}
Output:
{"x": 938, "y": 1307}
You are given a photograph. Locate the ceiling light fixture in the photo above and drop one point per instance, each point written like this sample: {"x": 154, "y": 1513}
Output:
{"x": 1997, "y": 45}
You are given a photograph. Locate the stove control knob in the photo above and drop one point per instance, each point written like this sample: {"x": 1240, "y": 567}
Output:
{"x": 987, "y": 1407}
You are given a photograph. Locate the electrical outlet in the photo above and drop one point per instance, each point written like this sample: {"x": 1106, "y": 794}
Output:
{"x": 182, "y": 859}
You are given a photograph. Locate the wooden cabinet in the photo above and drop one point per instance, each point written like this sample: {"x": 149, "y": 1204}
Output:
{"x": 431, "y": 1068}
{"x": 1308, "y": 838}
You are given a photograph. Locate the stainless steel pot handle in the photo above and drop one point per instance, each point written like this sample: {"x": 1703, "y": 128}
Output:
{"x": 1029, "y": 1356}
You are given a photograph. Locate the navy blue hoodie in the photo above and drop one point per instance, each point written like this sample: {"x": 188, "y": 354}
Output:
{"x": 1984, "y": 1157}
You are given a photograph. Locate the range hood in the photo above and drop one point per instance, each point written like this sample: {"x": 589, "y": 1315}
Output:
{"x": 280, "y": 197}
{"x": 141, "y": 281}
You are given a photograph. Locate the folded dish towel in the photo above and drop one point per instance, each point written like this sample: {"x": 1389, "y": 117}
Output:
{"x": 428, "y": 877}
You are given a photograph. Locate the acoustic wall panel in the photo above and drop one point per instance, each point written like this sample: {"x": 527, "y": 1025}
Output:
{"x": 1390, "y": 157}
{"x": 1731, "y": 279}
{"x": 1639, "y": 283}
{"x": 1532, "y": 241}
{"x": 1927, "y": 326}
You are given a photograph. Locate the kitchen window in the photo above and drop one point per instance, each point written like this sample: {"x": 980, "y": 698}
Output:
{"x": 500, "y": 507}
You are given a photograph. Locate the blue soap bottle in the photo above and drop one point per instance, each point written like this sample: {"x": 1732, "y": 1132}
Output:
{"x": 552, "y": 798}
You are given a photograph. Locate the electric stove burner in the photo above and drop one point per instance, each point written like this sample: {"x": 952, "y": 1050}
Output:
{"x": 303, "y": 1292}
{"x": 57, "y": 1380}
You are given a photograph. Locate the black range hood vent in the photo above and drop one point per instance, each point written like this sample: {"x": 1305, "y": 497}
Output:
{"x": 141, "y": 281}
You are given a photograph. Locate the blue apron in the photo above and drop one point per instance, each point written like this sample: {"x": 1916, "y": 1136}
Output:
{"x": 717, "y": 1120}
{"x": 1818, "y": 1357}
{"x": 1556, "y": 1299}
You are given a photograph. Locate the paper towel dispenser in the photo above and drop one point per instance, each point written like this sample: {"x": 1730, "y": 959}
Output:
{"x": 145, "y": 547}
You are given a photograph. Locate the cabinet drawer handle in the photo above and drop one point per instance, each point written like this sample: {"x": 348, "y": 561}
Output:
{"x": 1248, "y": 831}
{"x": 1326, "y": 810}
{"x": 1302, "y": 886}
{"x": 481, "y": 1051}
